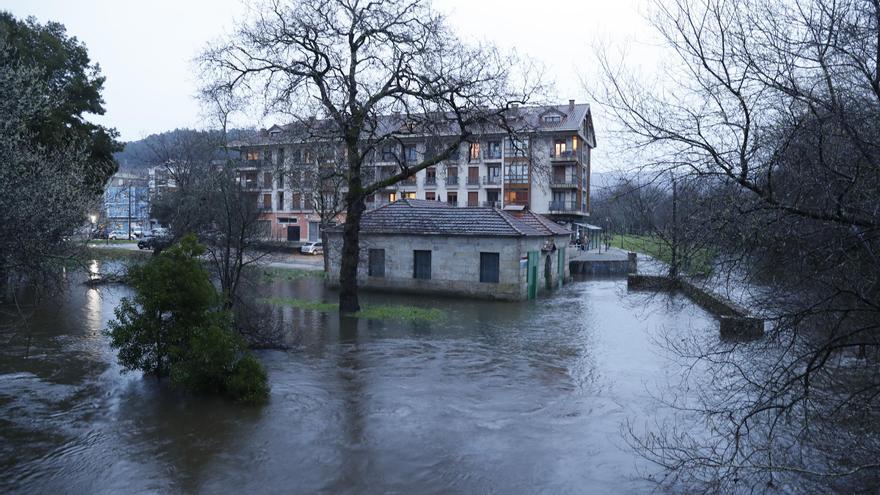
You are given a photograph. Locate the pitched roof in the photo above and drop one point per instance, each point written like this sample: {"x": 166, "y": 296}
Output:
{"x": 528, "y": 118}
{"x": 421, "y": 217}
{"x": 541, "y": 223}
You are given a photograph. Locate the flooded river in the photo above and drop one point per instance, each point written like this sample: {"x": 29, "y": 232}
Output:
{"x": 495, "y": 398}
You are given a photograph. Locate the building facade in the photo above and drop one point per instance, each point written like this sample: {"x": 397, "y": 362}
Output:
{"x": 126, "y": 203}
{"x": 546, "y": 169}
{"x": 477, "y": 251}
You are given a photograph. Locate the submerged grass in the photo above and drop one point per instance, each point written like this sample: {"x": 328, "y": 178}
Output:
{"x": 272, "y": 274}
{"x": 370, "y": 312}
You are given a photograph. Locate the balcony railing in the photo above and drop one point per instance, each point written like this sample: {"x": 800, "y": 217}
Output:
{"x": 430, "y": 181}
{"x": 568, "y": 155}
{"x": 473, "y": 181}
{"x": 516, "y": 179}
{"x": 492, "y": 204}
{"x": 492, "y": 180}
{"x": 492, "y": 154}
{"x": 564, "y": 182}
{"x": 452, "y": 180}
{"x": 569, "y": 206}
{"x": 250, "y": 185}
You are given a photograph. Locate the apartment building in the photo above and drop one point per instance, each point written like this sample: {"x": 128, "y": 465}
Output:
{"x": 545, "y": 168}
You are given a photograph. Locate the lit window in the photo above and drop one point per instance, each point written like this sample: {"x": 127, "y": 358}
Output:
{"x": 474, "y": 154}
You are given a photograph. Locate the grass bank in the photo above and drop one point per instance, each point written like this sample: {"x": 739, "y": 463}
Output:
{"x": 378, "y": 312}
{"x": 700, "y": 262}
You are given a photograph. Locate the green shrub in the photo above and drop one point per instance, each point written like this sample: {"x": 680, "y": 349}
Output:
{"x": 248, "y": 382}
{"x": 173, "y": 326}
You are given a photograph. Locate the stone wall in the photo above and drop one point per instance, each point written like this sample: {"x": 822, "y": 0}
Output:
{"x": 455, "y": 264}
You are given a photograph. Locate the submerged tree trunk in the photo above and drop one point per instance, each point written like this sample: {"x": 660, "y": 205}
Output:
{"x": 348, "y": 297}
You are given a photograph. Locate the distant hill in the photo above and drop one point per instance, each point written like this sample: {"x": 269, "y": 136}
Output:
{"x": 141, "y": 154}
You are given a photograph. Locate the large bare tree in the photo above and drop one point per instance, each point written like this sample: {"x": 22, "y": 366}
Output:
{"x": 365, "y": 75}
{"x": 776, "y": 106}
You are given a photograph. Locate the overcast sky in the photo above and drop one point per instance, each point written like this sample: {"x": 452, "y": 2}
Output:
{"x": 145, "y": 49}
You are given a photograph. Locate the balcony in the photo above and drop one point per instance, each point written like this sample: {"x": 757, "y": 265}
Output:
{"x": 452, "y": 180}
{"x": 253, "y": 163}
{"x": 516, "y": 179}
{"x": 565, "y": 182}
{"x": 430, "y": 181}
{"x": 250, "y": 185}
{"x": 565, "y": 155}
{"x": 493, "y": 180}
{"x": 473, "y": 181}
{"x": 492, "y": 204}
{"x": 566, "y": 207}
{"x": 492, "y": 155}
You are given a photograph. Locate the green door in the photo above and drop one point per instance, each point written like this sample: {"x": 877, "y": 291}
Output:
{"x": 560, "y": 267}
{"x": 532, "y": 271}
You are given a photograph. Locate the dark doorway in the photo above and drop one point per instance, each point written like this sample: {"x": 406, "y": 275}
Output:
{"x": 293, "y": 233}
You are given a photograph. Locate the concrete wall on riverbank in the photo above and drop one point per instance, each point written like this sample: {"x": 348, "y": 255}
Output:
{"x": 736, "y": 321}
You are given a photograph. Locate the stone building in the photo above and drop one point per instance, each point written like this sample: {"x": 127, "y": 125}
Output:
{"x": 545, "y": 168}
{"x": 432, "y": 247}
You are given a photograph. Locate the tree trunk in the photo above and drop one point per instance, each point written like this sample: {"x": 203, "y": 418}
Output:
{"x": 348, "y": 297}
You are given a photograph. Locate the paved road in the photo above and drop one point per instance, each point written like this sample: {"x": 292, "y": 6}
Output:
{"x": 275, "y": 260}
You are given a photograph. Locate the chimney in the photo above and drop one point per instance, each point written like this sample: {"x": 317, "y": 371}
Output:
{"x": 570, "y": 105}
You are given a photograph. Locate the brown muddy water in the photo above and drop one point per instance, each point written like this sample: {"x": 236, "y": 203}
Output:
{"x": 494, "y": 398}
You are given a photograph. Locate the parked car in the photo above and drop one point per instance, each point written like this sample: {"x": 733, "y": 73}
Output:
{"x": 154, "y": 242}
{"x": 137, "y": 233}
{"x": 161, "y": 231}
{"x": 315, "y": 247}
{"x": 118, "y": 234}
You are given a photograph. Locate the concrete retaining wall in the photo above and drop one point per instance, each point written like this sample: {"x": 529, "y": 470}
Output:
{"x": 735, "y": 320}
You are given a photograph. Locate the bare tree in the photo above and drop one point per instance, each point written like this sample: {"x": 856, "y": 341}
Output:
{"x": 210, "y": 199}
{"x": 775, "y": 106}
{"x": 350, "y": 63}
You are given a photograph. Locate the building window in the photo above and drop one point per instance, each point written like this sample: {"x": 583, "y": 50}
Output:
{"x": 267, "y": 180}
{"x": 474, "y": 154}
{"x": 493, "y": 150}
{"x": 412, "y": 153}
{"x": 280, "y": 181}
{"x": 388, "y": 154}
{"x": 452, "y": 198}
{"x": 280, "y": 156}
{"x": 281, "y": 200}
{"x": 252, "y": 155}
{"x": 489, "y": 267}
{"x": 473, "y": 198}
{"x": 377, "y": 263}
{"x": 422, "y": 265}
{"x": 552, "y": 119}
{"x": 392, "y": 197}
{"x": 560, "y": 147}
{"x": 517, "y": 173}
{"x": 267, "y": 201}
{"x": 516, "y": 147}
{"x": 409, "y": 195}
{"x": 430, "y": 196}
{"x": 516, "y": 197}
